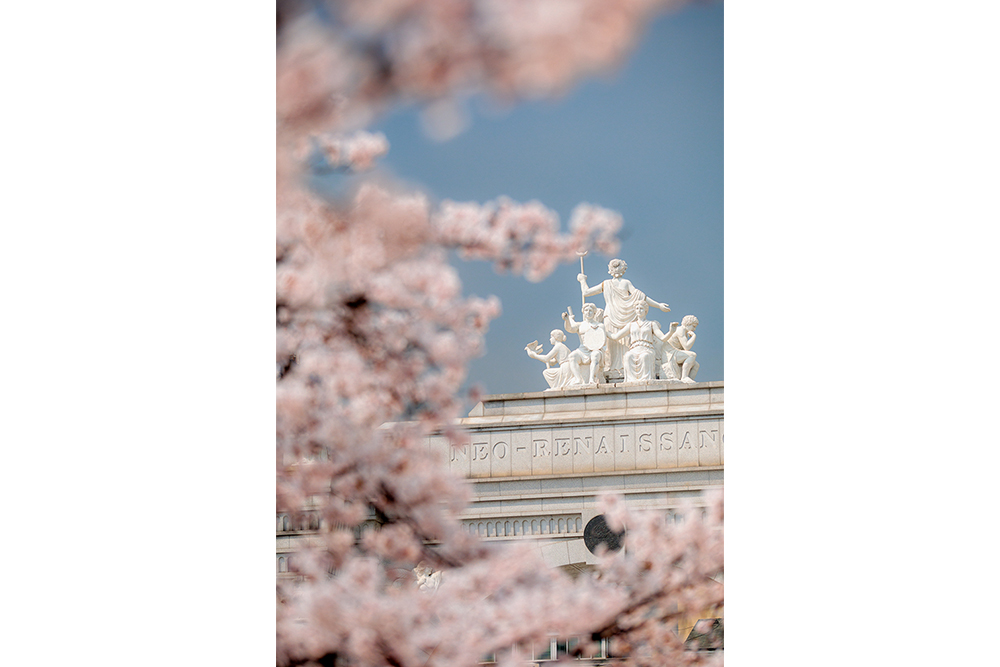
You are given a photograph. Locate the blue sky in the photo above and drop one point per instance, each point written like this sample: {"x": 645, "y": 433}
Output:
{"x": 646, "y": 141}
{"x": 861, "y": 156}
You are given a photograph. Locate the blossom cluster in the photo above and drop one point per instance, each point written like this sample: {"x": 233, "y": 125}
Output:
{"x": 524, "y": 238}
{"x": 357, "y": 57}
{"x": 374, "y": 337}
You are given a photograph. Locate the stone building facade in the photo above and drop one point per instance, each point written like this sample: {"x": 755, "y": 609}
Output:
{"x": 537, "y": 462}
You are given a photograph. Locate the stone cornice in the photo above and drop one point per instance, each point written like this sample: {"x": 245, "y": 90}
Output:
{"x": 601, "y": 403}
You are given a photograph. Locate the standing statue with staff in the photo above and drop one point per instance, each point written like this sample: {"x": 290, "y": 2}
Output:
{"x": 620, "y": 298}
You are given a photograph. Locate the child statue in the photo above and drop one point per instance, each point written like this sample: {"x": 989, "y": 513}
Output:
{"x": 561, "y": 376}
{"x": 678, "y": 359}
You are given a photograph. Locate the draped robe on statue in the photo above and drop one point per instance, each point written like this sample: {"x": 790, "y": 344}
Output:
{"x": 640, "y": 359}
{"x": 619, "y": 312}
{"x": 561, "y": 376}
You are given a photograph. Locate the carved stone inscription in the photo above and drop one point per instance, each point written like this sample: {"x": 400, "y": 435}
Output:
{"x": 589, "y": 448}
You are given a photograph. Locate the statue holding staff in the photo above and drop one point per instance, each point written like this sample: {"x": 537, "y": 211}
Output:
{"x": 620, "y": 299}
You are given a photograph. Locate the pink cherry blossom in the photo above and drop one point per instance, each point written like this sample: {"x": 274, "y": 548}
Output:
{"x": 374, "y": 337}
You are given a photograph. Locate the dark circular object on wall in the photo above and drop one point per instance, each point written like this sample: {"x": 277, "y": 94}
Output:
{"x": 597, "y": 532}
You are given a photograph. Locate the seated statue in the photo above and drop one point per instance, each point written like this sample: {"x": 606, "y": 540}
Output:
{"x": 640, "y": 358}
{"x": 679, "y": 362}
{"x": 592, "y": 339}
{"x": 560, "y": 376}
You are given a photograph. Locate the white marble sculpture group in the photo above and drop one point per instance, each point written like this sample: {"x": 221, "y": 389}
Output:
{"x": 618, "y": 342}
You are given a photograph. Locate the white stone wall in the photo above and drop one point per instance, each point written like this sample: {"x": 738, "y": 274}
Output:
{"x": 610, "y": 428}
{"x": 538, "y": 461}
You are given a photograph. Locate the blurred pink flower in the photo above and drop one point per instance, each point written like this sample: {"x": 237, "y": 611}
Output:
{"x": 374, "y": 337}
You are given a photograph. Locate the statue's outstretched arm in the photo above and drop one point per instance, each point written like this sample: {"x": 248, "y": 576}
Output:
{"x": 656, "y": 304}
{"x": 547, "y": 358}
{"x": 612, "y": 334}
{"x": 589, "y": 291}
{"x": 571, "y": 325}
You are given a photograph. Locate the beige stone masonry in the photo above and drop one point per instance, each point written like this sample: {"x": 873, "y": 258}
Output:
{"x": 621, "y": 427}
